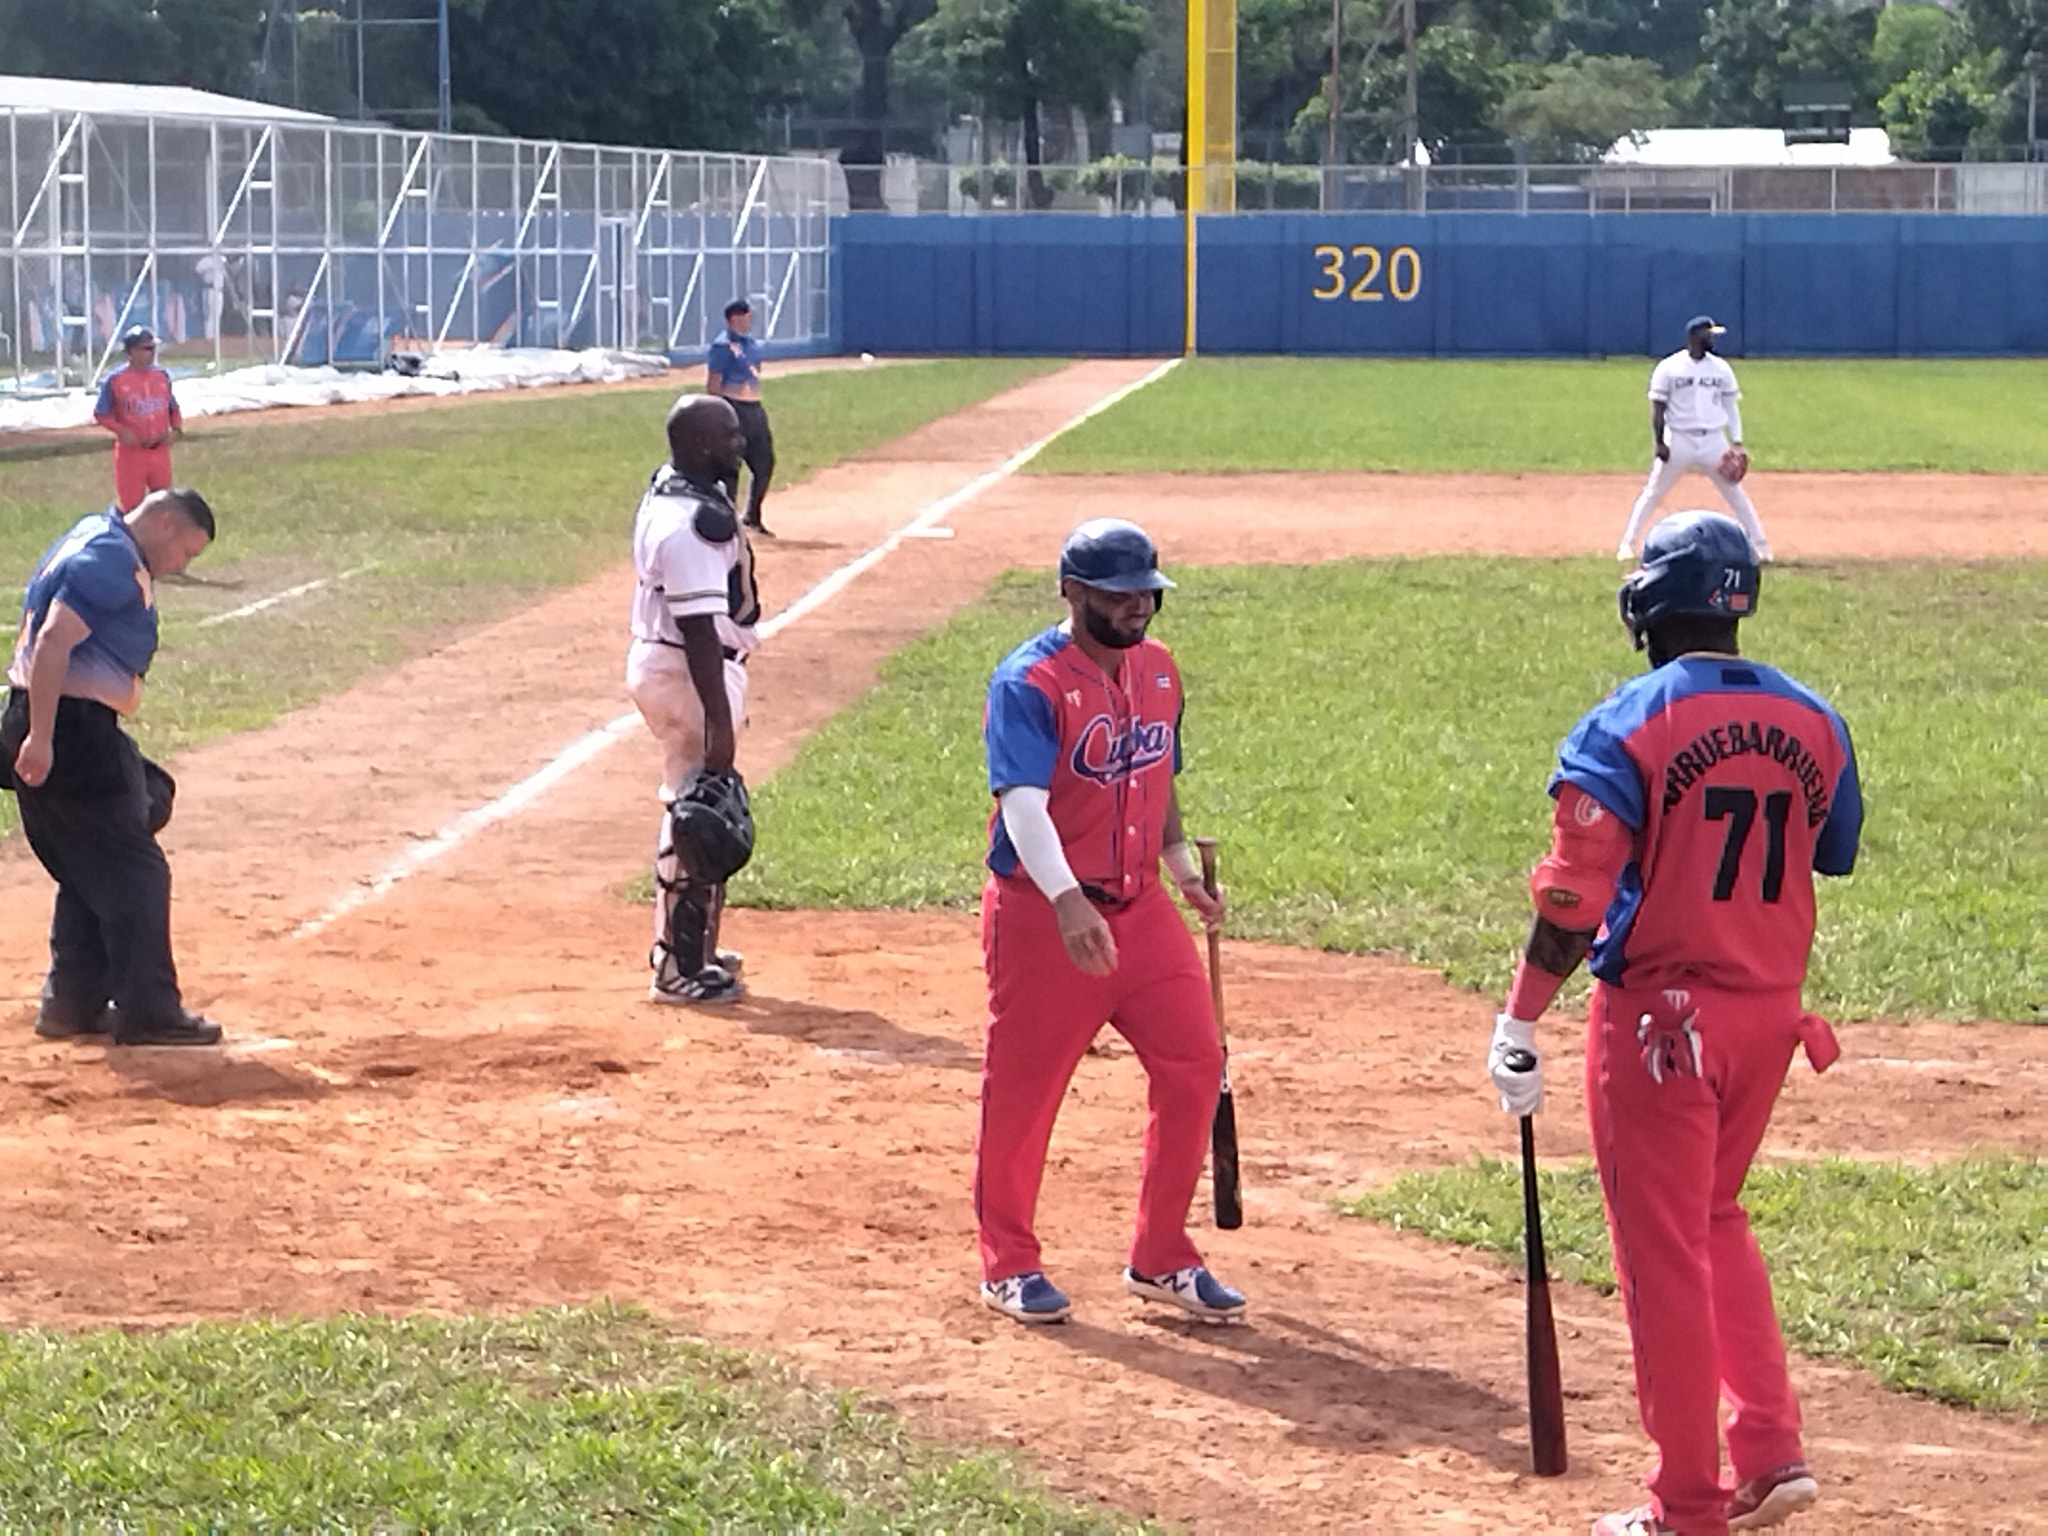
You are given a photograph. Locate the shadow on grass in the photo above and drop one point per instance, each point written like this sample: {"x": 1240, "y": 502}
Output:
{"x": 1337, "y": 1394}
{"x": 853, "y": 1032}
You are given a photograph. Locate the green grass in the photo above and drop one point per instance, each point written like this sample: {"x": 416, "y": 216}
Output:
{"x": 1935, "y": 1280}
{"x": 1514, "y": 415}
{"x": 465, "y": 512}
{"x": 1371, "y": 740}
{"x": 592, "y": 1419}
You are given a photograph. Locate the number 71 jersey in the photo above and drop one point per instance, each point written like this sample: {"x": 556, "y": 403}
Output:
{"x": 1739, "y": 784}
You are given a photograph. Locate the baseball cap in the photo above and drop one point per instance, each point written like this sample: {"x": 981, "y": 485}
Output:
{"x": 1704, "y": 323}
{"x": 138, "y": 336}
{"x": 738, "y": 307}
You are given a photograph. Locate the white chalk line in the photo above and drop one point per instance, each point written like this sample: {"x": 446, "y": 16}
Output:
{"x": 285, "y": 596}
{"x": 588, "y": 747}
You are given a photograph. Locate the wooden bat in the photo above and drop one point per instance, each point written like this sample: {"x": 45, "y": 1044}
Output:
{"x": 1546, "y": 1386}
{"x": 1223, "y": 1132}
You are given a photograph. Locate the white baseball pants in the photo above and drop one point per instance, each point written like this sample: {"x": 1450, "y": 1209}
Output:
{"x": 1701, "y": 451}
{"x": 658, "y": 681}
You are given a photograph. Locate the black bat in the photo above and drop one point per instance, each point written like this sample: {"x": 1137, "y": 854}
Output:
{"x": 1546, "y": 1386}
{"x": 1223, "y": 1132}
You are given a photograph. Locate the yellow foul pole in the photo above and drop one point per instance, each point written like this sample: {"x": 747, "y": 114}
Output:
{"x": 1211, "y": 141}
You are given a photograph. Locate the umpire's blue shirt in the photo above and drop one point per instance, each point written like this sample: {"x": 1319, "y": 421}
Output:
{"x": 97, "y": 571}
{"x": 736, "y": 360}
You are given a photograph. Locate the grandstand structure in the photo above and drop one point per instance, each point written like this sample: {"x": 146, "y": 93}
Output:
{"x": 249, "y": 233}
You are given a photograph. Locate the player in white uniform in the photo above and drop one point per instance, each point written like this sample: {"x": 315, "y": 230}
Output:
{"x": 695, "y": 604}
{"x": 1693, "y": 422}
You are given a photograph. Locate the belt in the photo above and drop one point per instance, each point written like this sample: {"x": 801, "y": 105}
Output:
{"x": 729, "y": 652}
{"x": 1103, "y": 898}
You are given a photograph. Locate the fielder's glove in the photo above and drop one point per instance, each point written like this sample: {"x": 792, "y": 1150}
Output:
{"x": 1734, "y": 464}
{"x": 1521, "y": 1093}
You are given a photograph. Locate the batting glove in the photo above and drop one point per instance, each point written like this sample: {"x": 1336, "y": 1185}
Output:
{"x": 1521, "y": 1093}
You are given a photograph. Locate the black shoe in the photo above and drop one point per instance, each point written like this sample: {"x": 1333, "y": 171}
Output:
{"x": 56, "y": 1022}
{"x": 184, "y": 1028}
{"x": 755, "y": 525}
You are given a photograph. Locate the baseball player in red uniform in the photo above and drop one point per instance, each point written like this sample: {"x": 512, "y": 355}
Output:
{"x": 1693, "y": 807}
{"x": 1083, "y": 738}
{"x": 137, "y": 406}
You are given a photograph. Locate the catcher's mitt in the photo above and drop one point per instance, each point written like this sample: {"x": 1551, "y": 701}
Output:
{"x": 712, "y": 825}
{"x": 1734, "y": 464}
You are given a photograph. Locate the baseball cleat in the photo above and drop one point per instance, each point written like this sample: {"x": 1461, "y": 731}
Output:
{"x": 708, "y": 988}
{"x": 183, "y": 1028}
{"x": 1027, "y": 1298}
{"x": 732, "y": 960}
{"x": 56, "y": 1022}
{"x": 1194, "y": 1290}
{"x": 755, "y": 525}
{"x": 1633, "y": 1522}
{"x": 1776, "y": 1496}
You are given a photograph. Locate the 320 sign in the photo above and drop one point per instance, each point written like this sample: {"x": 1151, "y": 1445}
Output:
{"x": 1365, "y": 275}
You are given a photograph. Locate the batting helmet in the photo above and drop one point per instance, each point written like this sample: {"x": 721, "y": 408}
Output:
{"x": 712, "y": 825}
{"x": 138, "y": 336}
{"x": 1112, "y": 555}
{"x": 1693, "y": 563}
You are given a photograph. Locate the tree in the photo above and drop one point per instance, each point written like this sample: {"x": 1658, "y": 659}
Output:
{"x": 691, "y": 74}
{"x": 877, "y": 27}
{"x": 1576, "y": 108}
{"x": 1937, "y": 113}
{"x": 210, "y": 44}
{"x": 1667, "y": 32}
{"x": 1022, "y": 56}
{"x": 1754, "y": 48}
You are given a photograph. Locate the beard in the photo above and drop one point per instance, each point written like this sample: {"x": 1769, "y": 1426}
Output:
{"x": 1103, "y": 632}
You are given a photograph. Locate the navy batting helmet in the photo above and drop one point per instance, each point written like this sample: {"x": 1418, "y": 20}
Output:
{"x": 1693, "y": 563}
{"x": 138, "y": 336}
{"x": 1112, "y": 555}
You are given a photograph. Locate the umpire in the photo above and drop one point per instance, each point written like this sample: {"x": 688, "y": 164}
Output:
{"x": 91, "y": 804}
{"x": 733, "y": 373}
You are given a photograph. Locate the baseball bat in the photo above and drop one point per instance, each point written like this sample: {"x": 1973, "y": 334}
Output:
{"x": 1223, "y": 1131}
{"x": 1546, "y": 1386}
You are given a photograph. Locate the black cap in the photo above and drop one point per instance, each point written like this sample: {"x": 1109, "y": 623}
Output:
{"x": 738, "y": 307}
{"x": 1703, "y": 323}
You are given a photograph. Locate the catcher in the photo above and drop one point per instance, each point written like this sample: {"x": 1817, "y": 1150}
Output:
{"x": 695, "y": 604}
{"x": 1694, "y": 424}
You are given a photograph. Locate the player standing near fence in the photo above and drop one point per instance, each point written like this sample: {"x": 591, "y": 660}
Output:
{"x": 137, "y": 406}
{"x": 1083, "y": 738}
{"x": 1694, "y": 806}
{"x": 1694, "y": 424}
{"x": 733, "y": 373}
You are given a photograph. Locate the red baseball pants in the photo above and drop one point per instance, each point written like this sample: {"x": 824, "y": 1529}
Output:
{"x": 1678, "y": 1110}
{"x": 138, "y": 471}
{"x": 1043, "y": 1011}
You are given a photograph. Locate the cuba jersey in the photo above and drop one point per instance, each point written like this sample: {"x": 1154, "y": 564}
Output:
{"x": 97, "y": 571}
{"x": 691, "y": 558}
{"x": 1739, "y": 784}
{"x": 139, "y": 399}
{"x": 1106, "y": 748}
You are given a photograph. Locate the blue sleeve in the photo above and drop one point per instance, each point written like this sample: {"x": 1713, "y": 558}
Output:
{"x": 105, "y": 405}
{"x": 1177, "y": 719}
{"x": 1842, "y": 833}
{"x": 1021, "y": 735}
{"x": 716, "y": 357}
{"x": 1596, "y": 759}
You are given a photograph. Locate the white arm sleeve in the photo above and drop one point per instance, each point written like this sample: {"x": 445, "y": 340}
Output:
{"x": 1734, "y": 417}
{"x": 1027, "y": 817}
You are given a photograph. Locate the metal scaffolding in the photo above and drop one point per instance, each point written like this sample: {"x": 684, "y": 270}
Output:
{"x": 247, "y": 241}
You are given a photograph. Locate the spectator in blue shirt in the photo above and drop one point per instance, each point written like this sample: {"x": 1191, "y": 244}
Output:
{"x": 733, "y": 373}
{"x": 91, "y": 804}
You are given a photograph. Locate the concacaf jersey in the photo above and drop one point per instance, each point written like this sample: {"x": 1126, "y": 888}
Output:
{"x": 1105, "y": 747}
{"x": 97, "y": 571}
{"x": 1739, "y": 784}
{"x": 691, "y": 558}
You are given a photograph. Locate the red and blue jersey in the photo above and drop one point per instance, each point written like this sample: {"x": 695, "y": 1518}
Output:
{"x": 1106, "y": 748}
{"x": 97, "y": 571}
{"x": 1739, "y": 783}
{"x": 140, "y": 400}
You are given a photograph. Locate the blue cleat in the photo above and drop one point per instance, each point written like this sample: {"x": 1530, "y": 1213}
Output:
{"x": 1027, "y": 1298}
{"x": 1193, "y": 1290}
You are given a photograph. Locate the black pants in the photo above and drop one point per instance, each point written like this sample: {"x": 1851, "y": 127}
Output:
{"x": 93, "y": 824}
{"x": 760, "y": 456}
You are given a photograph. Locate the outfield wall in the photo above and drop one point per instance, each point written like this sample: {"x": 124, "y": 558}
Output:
{"x": 1445, "y": 285}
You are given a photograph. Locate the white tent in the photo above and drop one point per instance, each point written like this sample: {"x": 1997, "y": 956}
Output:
{"x": 1746, "y": 146}
{"x": 105, "y": 98}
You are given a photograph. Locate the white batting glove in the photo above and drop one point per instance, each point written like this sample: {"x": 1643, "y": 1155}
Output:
{"x": 1521, "y": 1093}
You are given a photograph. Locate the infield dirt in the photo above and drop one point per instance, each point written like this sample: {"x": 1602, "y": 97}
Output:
{"x": 456, "y": 1097}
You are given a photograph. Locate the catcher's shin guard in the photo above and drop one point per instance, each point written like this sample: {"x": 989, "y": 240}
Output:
{"x": 686, "y": 912}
